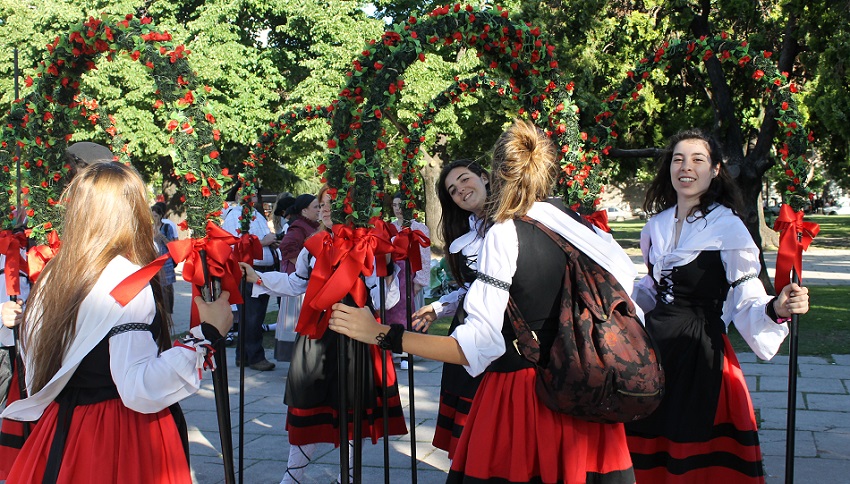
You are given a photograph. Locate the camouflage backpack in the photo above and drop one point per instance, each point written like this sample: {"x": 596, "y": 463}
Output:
{"x": 602, "y": 365}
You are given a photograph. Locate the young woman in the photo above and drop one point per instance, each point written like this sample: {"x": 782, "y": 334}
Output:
{"x": 311, "y": 384}
{"x": 703, "y": 274}
{"x": 163, "y": 233}
{"x": 462, "y": 189}
{"x": 421, "y": 279}
{"x": 510, "y": 435}
{"x": 103, "y": 379}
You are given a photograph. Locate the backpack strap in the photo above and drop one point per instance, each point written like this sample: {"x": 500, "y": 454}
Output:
{"x": 527, "y": 343}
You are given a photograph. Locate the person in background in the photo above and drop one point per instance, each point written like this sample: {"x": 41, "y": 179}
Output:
{"x": 703, "y": 274}
{"x": 165, "y": 220}
{"x": 421, "y": 279}
{"x": 255, "y": 307}
{"x": 303, "y": 216}
{"x": 163, "y": 234}
{"x": 510, "y": 435}
{"x": 311, "y": 384}
{"x": 103, "y": 379}
{"x": 281, "y": 221}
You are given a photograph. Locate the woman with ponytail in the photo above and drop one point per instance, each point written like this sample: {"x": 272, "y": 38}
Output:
{"x": 510, "y": 436}
{"x": 103, "y": 379}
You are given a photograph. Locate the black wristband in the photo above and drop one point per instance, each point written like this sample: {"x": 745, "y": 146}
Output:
{"x": 210, "y": 332}
{"x": 771, "y": 311}
{"x": 391, "y": 340}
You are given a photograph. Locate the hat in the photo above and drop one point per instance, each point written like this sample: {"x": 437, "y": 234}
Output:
{"x": 87, "y": 153}
{"x": 301, "y": 202}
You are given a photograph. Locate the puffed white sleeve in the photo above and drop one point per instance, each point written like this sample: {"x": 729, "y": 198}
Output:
{"x": 447, "y": 305}
{"x": 283, "y": 284}
{"x": 746, "y": 301}
{"x": 148, "y": 382}
{"x": 481, "y": 338}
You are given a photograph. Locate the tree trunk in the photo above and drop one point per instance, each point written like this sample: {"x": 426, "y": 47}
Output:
{"x": 433, "y": 212}
{"x": 749, "y": 185}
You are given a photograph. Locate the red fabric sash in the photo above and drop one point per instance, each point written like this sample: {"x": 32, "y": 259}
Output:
{"x": 341, "y": 258}
{"x": 10, "y": 246}
{"x": 795, "y": 235}
{"x": 599, "y": 218}
{"x": 40, "y": 255}
{"x": 408, "y": 244}
{"x": 221, "y": 262}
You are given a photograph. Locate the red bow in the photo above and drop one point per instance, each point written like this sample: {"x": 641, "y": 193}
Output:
{"x": 40, "y": 255}
{"x": 10, "y": 246}
{"x": 340, "y": 260}
{"x": 599, "y": 218}
{"x": 220, "y": 259}
{"x": 385, "y": 231}
{"x": 248, "y": 248}
{"x": 408, "y": 244}
{"x": 795, "y": 235}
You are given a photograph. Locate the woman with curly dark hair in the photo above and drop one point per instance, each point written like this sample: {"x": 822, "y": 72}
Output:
{"x": 703, "y": 274}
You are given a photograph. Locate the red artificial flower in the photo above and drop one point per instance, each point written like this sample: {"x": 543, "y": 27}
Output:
{"x": 213, "y": 155}
{"x": 758, "y": 74}
{"x": 190, "y": 177}
{"x": 172, "y": 125}
{"x": 209, "y": 117}
{"x": 331, "y": 144}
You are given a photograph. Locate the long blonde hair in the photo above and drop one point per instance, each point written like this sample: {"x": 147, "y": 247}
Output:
{"x": 106, "y": 215}
{"x": 523, "y": 172}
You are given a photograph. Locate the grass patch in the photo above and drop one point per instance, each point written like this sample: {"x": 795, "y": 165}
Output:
{"x": 834, "y": 231}
{"x": 823, "y": 331}
{"x": 627, "y": 233}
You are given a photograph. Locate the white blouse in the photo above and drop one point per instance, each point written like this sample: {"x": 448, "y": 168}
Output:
{"x": 147, "y": 381}
{"x": 283, "y": 284}
{"x": 723, "y": 231}
{"x": 469, "y": 246}
{"x": 481, "y": 338}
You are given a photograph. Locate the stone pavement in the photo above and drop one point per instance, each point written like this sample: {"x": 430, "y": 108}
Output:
{"x": 822, "y": 436}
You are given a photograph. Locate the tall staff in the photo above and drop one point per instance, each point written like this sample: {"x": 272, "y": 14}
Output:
{"x": 795, "y": 237}
{"x": 18, "y": 362}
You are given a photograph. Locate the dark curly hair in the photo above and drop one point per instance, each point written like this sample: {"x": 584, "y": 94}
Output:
{"x": 661, "y": 195}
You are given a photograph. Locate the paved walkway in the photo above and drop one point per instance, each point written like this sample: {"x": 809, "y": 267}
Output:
{"x": 823, "y": 412}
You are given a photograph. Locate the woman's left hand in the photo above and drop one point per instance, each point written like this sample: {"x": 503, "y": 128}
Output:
{"x": 793, "y": 299}
{"x": 356, "y": 323}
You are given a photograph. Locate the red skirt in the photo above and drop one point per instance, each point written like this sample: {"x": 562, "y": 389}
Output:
{"x": 321, "y": 424}
{"x": 454, "y": 411}
{"x": 107, "y": 442}
{"x": 731, "y": 456}
{"x": 510, "y": 436}
{"x": 11, "y": 431}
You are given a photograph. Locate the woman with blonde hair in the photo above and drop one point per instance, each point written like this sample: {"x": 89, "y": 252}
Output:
{"x": 510, "y": 436}
{"x": 103, "y": 378}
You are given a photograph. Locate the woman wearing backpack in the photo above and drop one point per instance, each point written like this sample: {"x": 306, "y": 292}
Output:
{"x": 703, "y": 274}
{"x": 462, "y": 188}
{"x": 510, "y": 435}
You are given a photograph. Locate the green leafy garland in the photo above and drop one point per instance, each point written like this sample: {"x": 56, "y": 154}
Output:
{"x": 793, "y": 139}
{"x": 43, "y": 122}
{"x": 514, "y": 50}
{"x": 265, "y": 144}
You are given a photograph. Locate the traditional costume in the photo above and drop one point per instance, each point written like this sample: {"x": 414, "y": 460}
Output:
{"x": 457, "y": 387}
{"x": 705, "y": 429}
{"x": 510, "y": 435}
{"x": 110, "y": 413}
{"x": 312, "y": 394}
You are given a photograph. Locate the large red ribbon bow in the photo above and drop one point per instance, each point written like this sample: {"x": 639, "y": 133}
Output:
{"x": 795, "y": 235}
{"x": 10, "y": 246}
{"x": 340, "y": 260}
{"x": 599, "y": 218}
{"x": 220, "y": 259}
{"x": 248, "y": 248}
{"x": 408, "y": 244}
{"x": 40, "y": 255}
